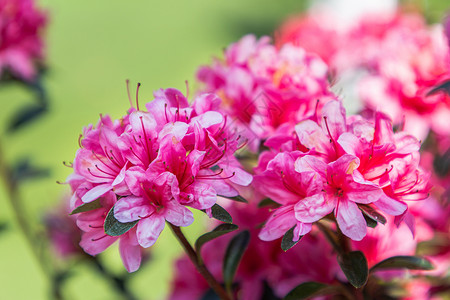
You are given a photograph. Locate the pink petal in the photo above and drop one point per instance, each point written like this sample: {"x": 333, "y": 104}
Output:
{"x": 310, "y": 163}
{"x": 391, "y": 206}
{"x": 313, "y": 208}
{"x": 363, "y": 193}
{"x": 311, "y": 136}
{"x": 177, "y": 214}
{"x": 96, "y": 241}
{"x": 132, "y": 208}
{"x": 96, "y": 192}
{"x": 149, "y": 229}
{"x": 301, "y": 229}
{"x": 134, "y": 176}
{"x": 279, "y": 222}
{"x": 130, "y": 251}
{"x": 334, "y": 119}
{"x": 350, "y": 220}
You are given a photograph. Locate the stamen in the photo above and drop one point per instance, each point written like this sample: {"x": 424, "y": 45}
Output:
{"x": 79, "y": 140}
{"x": 220, "y": 178}
{"x": 128, "y": 92}
{"x": 97, "y": 239}
{"x": 187, "y": 89}
{"x": 137, "y": 95}
{"x": 69, "y": 165}
{"x": 89, "y": 170}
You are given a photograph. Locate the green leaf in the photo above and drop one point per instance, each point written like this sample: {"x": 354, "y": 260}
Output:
{"x": 268, "y": 202}
{"x": 403, "y": 262}
{"x": 443, "y": 86}
{"x": 87, "y": 207}
{"x": 115, "y": 228}
{"x": 287, "y": 242}
{"x": 370, "y": 222}
{"x": 233, "y": 256}
{"x": 354, "y": 266}
{"x": 308, "y": 289}
{"x": 219, "y": 213}
{"x": 370, "y": 212}
{"x": 215, "y": 233}
{"x": 237, "y": 198}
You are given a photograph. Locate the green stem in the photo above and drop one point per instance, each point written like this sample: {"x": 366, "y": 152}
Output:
{"x": 213, "y": 283}
{"x": 12, "y": 190}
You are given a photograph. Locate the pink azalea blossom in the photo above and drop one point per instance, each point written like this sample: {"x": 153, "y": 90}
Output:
{"x": 263, "y": 87}
{"x": 352, "y": 161}
{"x": 94, "y": 240}
{"x": 21, "y": 44}
{"x": 395, "y": 59}
{"x": 154, "y": 163}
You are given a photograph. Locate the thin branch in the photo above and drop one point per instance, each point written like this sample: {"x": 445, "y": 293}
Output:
{"x": 213, "y": 283}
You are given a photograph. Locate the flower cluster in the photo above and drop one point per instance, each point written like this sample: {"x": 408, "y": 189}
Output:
{"x": 263, "y": 87}
{"x": 400, "y": 64}
{"x": 138, "y": 172}
{"x": 346, "y": 165}
{"x": 21, "y": 45}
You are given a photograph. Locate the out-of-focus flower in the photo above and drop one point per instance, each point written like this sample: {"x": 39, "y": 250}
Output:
{"x": 263, "y": 87}
{"x": 148, "y": 167}
{"x": 21, "y": 44}
{"x": 62, "y": 231}
{"x": 399, "y": 63}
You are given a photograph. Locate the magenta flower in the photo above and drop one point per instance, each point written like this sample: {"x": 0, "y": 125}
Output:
{"x": 294, "y": 191}
{"x": 100, "y": 161}
{"x": 94, "y": 240}
{"x": 156, "y": 163}
{"x": 352, "y": 162}
{"x": 396, "y": 62}
{"x": 152, "y": 203}
{"x": 263, "y": 87}
{"x": 21, "y": 44}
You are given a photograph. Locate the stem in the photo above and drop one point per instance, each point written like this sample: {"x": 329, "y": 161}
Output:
{"x": 12, "y": 191}
{"x": 119, "y": 282}
{"x": 213, "y": 283}
{"x": 329, "y": 235}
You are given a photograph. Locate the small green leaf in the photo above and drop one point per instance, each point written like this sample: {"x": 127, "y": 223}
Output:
{"x": 268, "y": 202}
{"x": 219, "y": 213}
{"x": 370, "y": 212}
{"x": 354, "y": 266}
{"x": 115, "y": 228}
{"x": 287, "y": 240}
{"x": 370, "y": 222}
{"x": 87, "y": 207}
{"x": 215, "y": 233}
{"x": 308, "y": 289}
{"x": 403, "y": 262}
{"x": 443, "y": 86}
{"x": 233, "y": 256}
{"x": 237, "y": 198}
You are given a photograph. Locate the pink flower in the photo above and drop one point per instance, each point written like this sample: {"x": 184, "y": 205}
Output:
{"x": 294, "y": 191}
{"x": 263, "y": 87}
{"x": 154, "y": 163}
{"x": 152, "y": 203}
{"x": 100, "y": 161}
{"x": 21, "y": 44}
{"x": 352, "y": 161}
{"x": 396, "y": 63}
{"x": 94, "y": 240}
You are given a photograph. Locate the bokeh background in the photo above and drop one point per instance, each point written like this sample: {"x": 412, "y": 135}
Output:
{"x": 92, "y": 47}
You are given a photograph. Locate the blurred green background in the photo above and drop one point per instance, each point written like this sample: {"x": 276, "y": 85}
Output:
{"x": 92, "y": 47}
